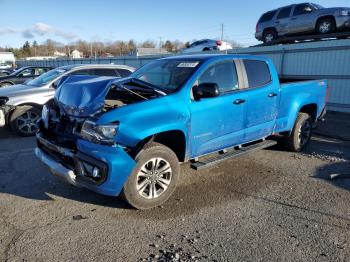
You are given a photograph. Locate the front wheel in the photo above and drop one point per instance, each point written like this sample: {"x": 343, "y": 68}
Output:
{"x": 301, "y": 133}
{"x": 154, "y": 177}
{"x": 326, "y": 26}
{"x": 23, "y": 120}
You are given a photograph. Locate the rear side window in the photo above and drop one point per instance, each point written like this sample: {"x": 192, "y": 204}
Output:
{"x": 284, "y": 12}
{"x": 267, "y": 17}
{"x": 84, "y": 72}
{"x": 106, "y": 72}
{"x": 124, "y": 72}
{"x": 258, "y": 73}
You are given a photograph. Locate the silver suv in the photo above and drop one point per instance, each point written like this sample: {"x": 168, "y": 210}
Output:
{"x": 300, "y": 19}
{"x": 20, "y": 105}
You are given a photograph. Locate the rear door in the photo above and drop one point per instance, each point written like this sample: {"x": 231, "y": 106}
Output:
{"x": 218, "y": 122}
{"x": 262, "y": 100}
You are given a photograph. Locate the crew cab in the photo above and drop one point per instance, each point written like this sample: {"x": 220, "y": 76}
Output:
{"x": 127, "y": 137}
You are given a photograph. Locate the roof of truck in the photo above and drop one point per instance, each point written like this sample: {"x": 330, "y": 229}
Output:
{"x": 206, "y": 57}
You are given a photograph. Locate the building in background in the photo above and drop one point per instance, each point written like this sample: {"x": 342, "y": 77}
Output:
{"x": 76, "y": 54}
{"x": 7, "y": 60}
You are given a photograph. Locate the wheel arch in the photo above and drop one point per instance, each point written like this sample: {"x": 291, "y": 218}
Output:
{"x": 310, "y": 109}
{"x": 325, "y": 17}
{"x": 7, "y": 82}
{"x": 174, "y": 139}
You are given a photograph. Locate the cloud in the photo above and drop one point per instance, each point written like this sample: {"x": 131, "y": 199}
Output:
{"x": 7, "y": 31}
{"x": 40, "y": 29}
{"x": 27, "y": 34}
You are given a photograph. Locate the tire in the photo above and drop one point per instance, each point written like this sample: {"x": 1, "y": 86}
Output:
{"x": 206, "y": 49}
{"x": 137, "y": 189}
{"x": 5, "y": 84}
{"x": 23, "y": 120}
{"x": 301, "y": 133}
{"x": 269, "y": 36}
{"x": 325, "y": 26}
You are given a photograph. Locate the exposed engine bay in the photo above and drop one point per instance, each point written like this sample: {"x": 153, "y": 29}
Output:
{"x": 81, "y": 98}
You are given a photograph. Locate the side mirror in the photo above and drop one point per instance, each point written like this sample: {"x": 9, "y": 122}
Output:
{"x": 205, "y": 90}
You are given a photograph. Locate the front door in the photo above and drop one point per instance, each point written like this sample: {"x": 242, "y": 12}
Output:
{"x": 302, "y": 20}
{"x": 218, "y": 123}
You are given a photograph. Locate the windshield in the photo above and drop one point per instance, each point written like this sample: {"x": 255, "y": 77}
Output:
{"x": 167, "y": 74}
{"x": 46, "y": 77}
{"x": 17, "y": 71}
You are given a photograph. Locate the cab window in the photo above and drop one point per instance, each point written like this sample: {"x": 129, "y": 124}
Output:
{"x": 258, "y": 73}
{"x": 223, "y": 74}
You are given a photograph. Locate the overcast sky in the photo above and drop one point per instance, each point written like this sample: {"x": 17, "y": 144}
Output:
{"x": 66, "y": 21}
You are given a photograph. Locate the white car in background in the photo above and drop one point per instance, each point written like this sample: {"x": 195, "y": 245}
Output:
{"x": 207, "y": 45}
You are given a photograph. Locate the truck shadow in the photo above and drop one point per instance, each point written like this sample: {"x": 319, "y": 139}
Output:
{"x": 22, "y": 175}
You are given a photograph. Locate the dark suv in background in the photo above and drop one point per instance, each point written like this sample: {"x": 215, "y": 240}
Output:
{"x": 22, "y": 75}
{"x": 298, "y": 19}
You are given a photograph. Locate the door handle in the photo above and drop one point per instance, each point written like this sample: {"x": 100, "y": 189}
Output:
{"x": 277, "y": 22}
{"x": 293, "y": 18}
{"x": 238, "y": 101}
{"x": 272, "y": 95}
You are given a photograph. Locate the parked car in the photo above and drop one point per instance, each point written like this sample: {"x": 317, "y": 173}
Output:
{"x": 22, "y": 75}
{"x": 305, "y": 18}
{"x": 5, "y": 72}
{"x": 20, "y": 105}
{"x": 130, "y": 138}
{"x": 207, "y": 45}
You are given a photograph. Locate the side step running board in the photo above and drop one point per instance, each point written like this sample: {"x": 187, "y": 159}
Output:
{"x": 213, "y": 160}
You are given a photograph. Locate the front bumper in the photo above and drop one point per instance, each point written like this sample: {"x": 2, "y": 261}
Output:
{"x": 115, "y": 164}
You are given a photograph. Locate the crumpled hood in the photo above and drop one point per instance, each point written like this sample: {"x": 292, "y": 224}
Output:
{"x": 83, "y": 96}
{"x": 17, "y": 90}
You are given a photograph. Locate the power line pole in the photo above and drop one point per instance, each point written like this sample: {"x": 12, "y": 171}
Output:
{"x": 160, "y": 44}
{"x": 222, "y": 32}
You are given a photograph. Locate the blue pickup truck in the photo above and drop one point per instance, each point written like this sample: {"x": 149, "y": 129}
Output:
{"x": 128, "y": 136}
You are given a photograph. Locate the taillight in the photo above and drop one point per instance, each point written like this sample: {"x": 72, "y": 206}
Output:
{"x": 218, "y": 43}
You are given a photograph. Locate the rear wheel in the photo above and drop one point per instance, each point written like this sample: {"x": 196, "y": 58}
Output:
{"x": 154, "y": 178}
{"x": 23, "y": 120}
{"x": 301, "y": 133}
{"x": 326, "y": 26}
{"x": 269, "y": 36}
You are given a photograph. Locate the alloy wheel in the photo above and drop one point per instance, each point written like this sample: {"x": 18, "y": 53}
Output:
{"x": 304, "y": 133}
{"x": 26, "y": 123}
{"x": 154, "y": 178}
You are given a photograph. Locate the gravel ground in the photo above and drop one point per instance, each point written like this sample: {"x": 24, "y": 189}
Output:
{"x": 270, "y": 205}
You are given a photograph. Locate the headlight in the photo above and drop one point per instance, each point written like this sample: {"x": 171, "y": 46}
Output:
{"x": 101, "y": 134}
{"x": 45, "y": 116}
{"x": 344, "y": 12}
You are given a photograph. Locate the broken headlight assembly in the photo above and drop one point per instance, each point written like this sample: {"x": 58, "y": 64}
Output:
{"x": 99, "y": 134}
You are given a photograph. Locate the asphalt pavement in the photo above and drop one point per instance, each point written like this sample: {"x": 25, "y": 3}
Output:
{"x": 270, "y": 205}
